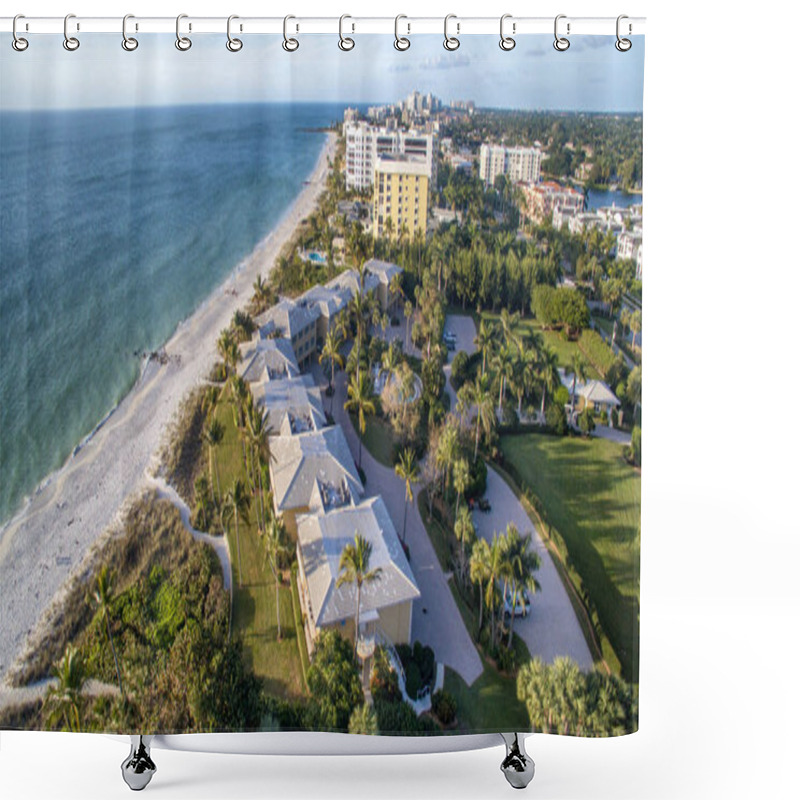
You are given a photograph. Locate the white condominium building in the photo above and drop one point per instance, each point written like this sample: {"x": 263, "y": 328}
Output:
{"x": 516, "y": 163}
{"x": 364, "y": 143}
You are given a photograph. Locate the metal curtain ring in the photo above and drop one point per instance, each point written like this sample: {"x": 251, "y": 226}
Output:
{"x": 128, "y": 42}
{"x": 345, "y": 42}
{"x": 233, "y": 44}
{"x": 401, "y": 42}
{"x": 18, "y": 43}
{"x": 507, "y": 42}
{"x": 561, "y": 43}
{"x": 450, "y": 42}
{"x": 289, "y": 44}
{"x": 70, "y": 42}
{"x": 623, "y": 45}
{"x": 183, "y": 43}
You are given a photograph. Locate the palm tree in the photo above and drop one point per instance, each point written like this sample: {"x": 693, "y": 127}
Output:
{"x": 460, "y": 479}
{"x": 479, "y": 572}
{"x": 406, "y": 469}
{"x": 522, "y": 563}
{"x": 238, "y": 502}
{"x": 548, "y": 373}
{"x": 354, "y": 568}
{"x": 258, "y": 433}
{"x": 484, "y": 341}
{"x": 103, "y": 595}
{"x": 408, "y": 312}
{"x": 359, "y": 310}
{"x": 484, "y": 410}
{"x": 496, "y": 570}
{"x": 508, "y": 322}
{"x": 261, "y": 292}
{"x": 635, "y": 325}
{"x": 275, "y": 548}
{"x": 213, "y": 433}
{"x": 390, "y": 362}
{"x": 243, "y": 326}
{"x": 64, "y": 696}
{"x": 359, "y": 394}
{"x": 363, "y": 720}
{"x": 330, "y": 353}
{"x": 577, "y": 368}
{"x": 464, "y": 530}
{"x": 503, "y": 363}
{"x": 228, "y": 349}
{"x": 524, "y": 373}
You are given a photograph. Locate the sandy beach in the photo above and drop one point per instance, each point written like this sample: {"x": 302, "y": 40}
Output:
{"x": 52, "y": 538}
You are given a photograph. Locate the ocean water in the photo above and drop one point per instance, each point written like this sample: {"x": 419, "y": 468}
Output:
{"x": 114, "y": 226}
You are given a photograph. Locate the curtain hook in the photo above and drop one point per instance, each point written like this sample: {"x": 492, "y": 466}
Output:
{"x": 451, "y": 42}
{"x": 507, "y": 42}
{"x": 345, "y": 42}
{"x": 70, "y": 42}
{"x": 128, "y": 42}
{"x": 561, "y": 43}
{"x": 623, "y": 45}
{"x": 18, "y": 43}
{"x": 401, "y": 42}
{"x": 183, "y": 43}
{"x": 233, "y": 44}
{"x": 289, "y": 44}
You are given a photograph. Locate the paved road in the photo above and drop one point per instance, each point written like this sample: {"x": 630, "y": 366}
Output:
{"x": 436, "y": 620}
{"x": 464, "y": 329}
{"x": 551, "y": 629}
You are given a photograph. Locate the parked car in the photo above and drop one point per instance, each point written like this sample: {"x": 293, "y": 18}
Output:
{"x": 484, "y": 504}
{"x": 523, "y": 606}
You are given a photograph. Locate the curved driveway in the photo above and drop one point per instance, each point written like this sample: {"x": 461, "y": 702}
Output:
{"x": 551, "y": 629}
{"x": 436, "y": 620}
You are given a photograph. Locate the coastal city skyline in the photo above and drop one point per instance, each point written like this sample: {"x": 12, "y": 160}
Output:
{"x": 591, "y": 76}
{"x": 373, "y": 459}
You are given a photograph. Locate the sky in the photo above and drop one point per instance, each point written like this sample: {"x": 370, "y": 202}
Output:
{"x": 591, "y": 76}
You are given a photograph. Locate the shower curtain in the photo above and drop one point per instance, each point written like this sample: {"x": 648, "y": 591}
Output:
{"x": 320, "y": 392}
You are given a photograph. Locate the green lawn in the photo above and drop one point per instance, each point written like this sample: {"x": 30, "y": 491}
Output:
{"x": 277, "y": 663}
{"x": 593, "y": 498}
{"x": 379, "y": 440}
{"x": 563, "y": 348}
{"x": 492, "y": 699}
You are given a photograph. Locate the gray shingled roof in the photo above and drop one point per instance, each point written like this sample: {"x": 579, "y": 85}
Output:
{"x": 322, "y": 538}
{"x": 294, "y": 404}
{"x": 306, "y": 461}
{"x": 287, "y": 316}
{"x": 383, "y": 270}
{"x": 267, "y": 359}
{"x": 329, "y": 299}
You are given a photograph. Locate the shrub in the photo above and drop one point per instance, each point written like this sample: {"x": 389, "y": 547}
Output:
{"x": 383, "y": 682}
{"x": 399, "y": 719}
{"x": 556, "y": 419}
{"x": 586, "y": 421}
{"x": 444, "y": 706}
{"x": 477, "y": 479}
{"x": 217, "y": 374}
{"x": 459, "y": 372}
{"x": 413, "y": 680}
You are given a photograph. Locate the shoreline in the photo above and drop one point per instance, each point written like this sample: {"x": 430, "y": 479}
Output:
{"x": 51, "y": 537}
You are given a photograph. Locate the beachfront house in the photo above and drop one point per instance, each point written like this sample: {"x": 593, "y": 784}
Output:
{"x": 312, "y": 472}
{"x": 385, "y": 272}
{"x": 386, "y": 604}
{"x": 331, "y": 300}
{"x": 294, "y": 405}
{"x": 267, "y": 360}
{"x": 294, "y": 321}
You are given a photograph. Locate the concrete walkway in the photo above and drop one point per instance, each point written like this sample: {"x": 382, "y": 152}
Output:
{"x": 436, "y": 620}
{"x": 551, "y": 629}
{"x": 612, "y": 434}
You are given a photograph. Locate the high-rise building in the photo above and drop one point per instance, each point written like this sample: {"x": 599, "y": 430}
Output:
{"x": 518, "y": 164}
{"x": 365, "y": 143}
{"x": 400, "y": 201}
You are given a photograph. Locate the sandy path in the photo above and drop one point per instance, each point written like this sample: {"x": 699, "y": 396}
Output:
{"x": 48, "y": 541}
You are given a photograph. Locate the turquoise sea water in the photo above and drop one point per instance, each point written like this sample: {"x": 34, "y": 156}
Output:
{"x": 114, "y": 226}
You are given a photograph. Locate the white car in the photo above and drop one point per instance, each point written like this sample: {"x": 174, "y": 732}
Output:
{"x": 523, "y": 606}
